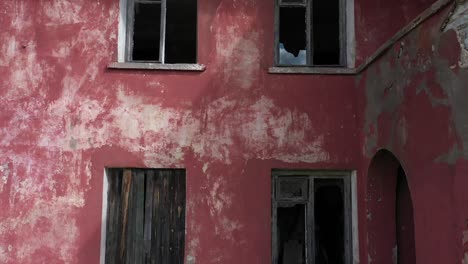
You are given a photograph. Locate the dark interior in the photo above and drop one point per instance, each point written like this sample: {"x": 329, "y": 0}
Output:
{"x": 292, "y": 33}
{"x": 146, "y": 32}
{"x": 291, "y": 234}
{"x": 326, "y": 32}
{"x": 181, "y": 31}
{"x": 329, "y": 221}
{"x": 404, "y": 221}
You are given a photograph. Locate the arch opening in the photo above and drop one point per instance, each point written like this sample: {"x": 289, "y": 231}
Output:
{"x": 390, "y": 223}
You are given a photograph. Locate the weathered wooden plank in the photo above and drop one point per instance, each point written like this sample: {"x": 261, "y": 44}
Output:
{"x": 156, "y": 247}
{"x": 139, "y": 208}
{"x": 149, "y": 189}
{"x": 127, "y": 212}
{"x": 179, "y": 206}
{"x": 113, "y": 208}
{"x": 165, "y": 217}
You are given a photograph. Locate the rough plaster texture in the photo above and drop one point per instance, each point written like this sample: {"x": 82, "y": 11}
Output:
{"x": 64, "y": 117}
{"x": 416, "y": 106}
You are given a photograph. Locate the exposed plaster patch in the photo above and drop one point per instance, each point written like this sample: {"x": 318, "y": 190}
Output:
{"x": 465, "y": 247}
{"x": 451, "y": 157}
{"x": 454, "y": 85}
{"x": 47, "y": 224}
{"x": 241, "y": 58}
{"x": 42, "y": 210}
{"x": 3, "y": 255}
{"x": 385, "y": 92}
{"x": 218, "y": 200}
{"x": 26, "y": 74}
{"x": 237, "y": 46}
{"x": 227, "y": 227}
{"x": 21, "y": 18}
{"x": 459, "y": 22}
{"x": 62, "y": 12}
{"x": 435, "y": 101}
{"x": 4, "y": 174}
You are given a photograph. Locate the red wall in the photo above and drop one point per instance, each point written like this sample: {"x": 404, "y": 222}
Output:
{"x": 376, "y": 21}
{"x": 64, "y": 117}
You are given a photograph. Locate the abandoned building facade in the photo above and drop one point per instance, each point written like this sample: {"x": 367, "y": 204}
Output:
{"x": 234, "y": 131}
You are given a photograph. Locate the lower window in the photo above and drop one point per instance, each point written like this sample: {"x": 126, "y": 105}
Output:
{"x": 145, "y": 216}
{"x": 311, "y": 217}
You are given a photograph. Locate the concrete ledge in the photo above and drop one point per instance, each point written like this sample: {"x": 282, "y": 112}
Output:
{"x": 312, "y": 70}
{"x": 155, "y": 66}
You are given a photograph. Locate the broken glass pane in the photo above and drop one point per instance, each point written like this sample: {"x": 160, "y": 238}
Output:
{"x": 293, "y": 44}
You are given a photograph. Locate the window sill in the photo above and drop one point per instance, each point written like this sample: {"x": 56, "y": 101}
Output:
{"x": 156, "y": 66}
{"x": 313, "y": 70}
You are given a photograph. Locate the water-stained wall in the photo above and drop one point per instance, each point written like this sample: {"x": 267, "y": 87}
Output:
{"x": 415, "y": 104}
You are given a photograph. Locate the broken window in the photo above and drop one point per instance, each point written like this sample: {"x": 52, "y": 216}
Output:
{"x": 311, "y": 217}
{"x": 310, "y": 33}
{"x": 163, "y": 31}
{"x": 145, "y": 216}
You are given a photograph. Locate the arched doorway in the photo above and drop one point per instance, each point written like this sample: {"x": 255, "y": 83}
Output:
{"x": 390, "y": 225}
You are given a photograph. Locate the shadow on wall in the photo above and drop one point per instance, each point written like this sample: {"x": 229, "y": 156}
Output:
{"x": 390, "y": 224}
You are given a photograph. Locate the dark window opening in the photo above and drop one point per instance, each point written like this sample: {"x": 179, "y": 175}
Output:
{"x": 311, "y": 217}
{"x": 293, "y": 34}
{"x": 291, "y": 234}
{"x": 326, "y": 32}
{"x": 163, "y": 31}
{"x": 146, "y": 32}
{"x": 329, "y": 221}
{"x": 181, "y": 31}
{"x": 145, "y": 216}
{"x": 310, "y": 32}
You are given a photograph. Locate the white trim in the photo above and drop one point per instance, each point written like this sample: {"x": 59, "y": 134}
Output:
{"x": 122, "y": 31}
{"x": 350, "y": 35}
{"x": 354, "y": 218}
{"x": 105, "y": 188}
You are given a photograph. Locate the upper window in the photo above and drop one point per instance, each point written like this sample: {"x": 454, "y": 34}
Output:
{"x": 145, "y": 220}
{"x": 310, "y": 33}
{"x": 162, "y": 31}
